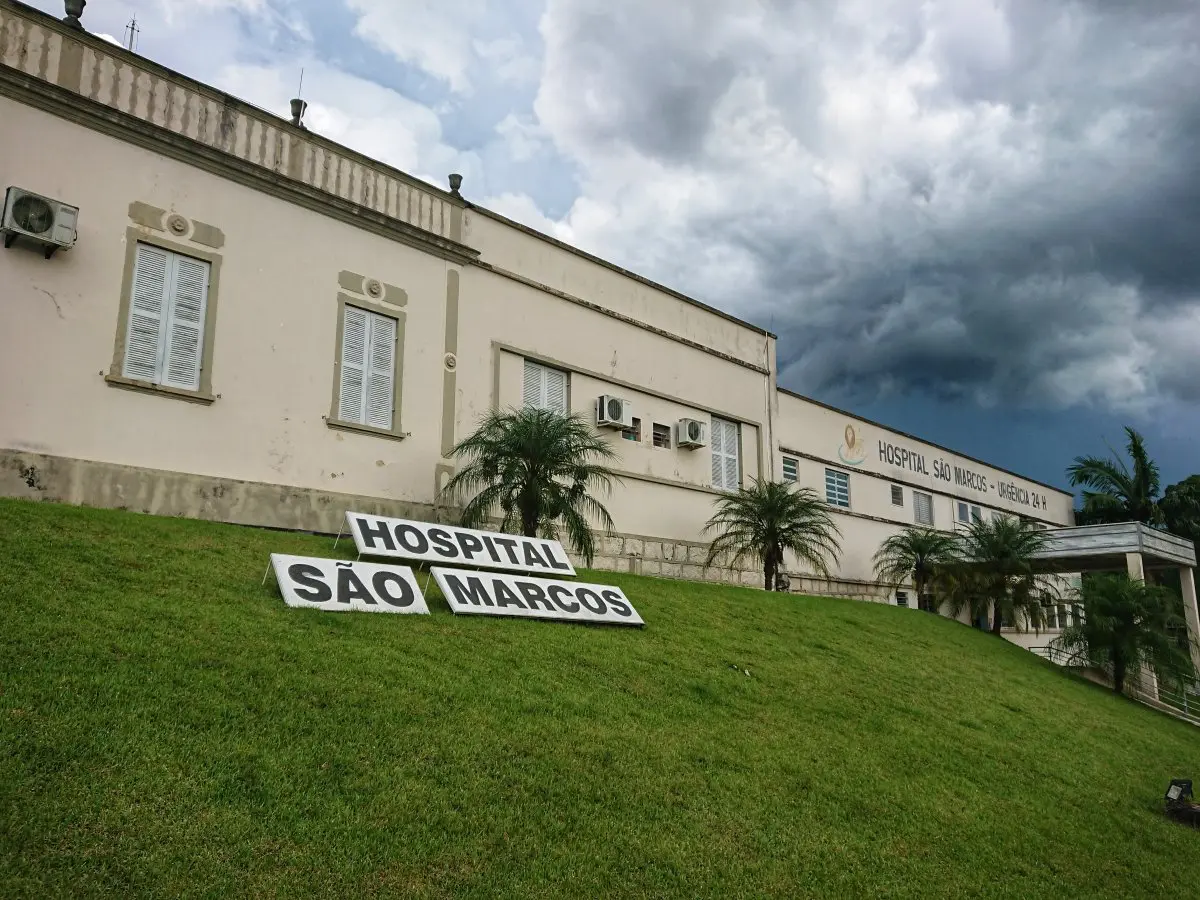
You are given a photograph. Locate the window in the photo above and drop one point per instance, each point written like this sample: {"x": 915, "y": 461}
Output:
{"x": 662, "y": 436}
{"x": 922, "y": 508}
{"x": 897, "y": 495}
{"x": 167, "y": 319}
{"x": 837, "y": 488}
{"x": 545, "y": 388}
{"x": 790, "y": 468}
{"x": 726, "y": 471}
{"x": 901, "y": 598}
{"x": 634, "y": 433}
{"x": 367, "y": 375}
{"x": 969, "y": 512}
{"x": 976, "y": 514}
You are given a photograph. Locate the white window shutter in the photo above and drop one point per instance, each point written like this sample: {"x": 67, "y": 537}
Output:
{"x": 717, "y": 448}
{"x": 732, "y": 482}
{"x": 533, "y": 384}
{"x": 185, "y": 328}
{"x": 147, "y": 314}
{"x": 354, "y": 364}
{"x": 381, "y": 372}
{"x": 556, "y": 390}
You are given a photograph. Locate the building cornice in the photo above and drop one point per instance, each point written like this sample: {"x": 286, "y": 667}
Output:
{"x": 106, "y": 120}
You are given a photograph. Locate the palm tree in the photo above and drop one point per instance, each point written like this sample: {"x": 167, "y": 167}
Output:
{"x": 1127, "y": 624}
{"x": 540, "y": 469}
{"x": 1116, "y": 492}
{"x": 921, "y": 554}
{"x": 996, "y": 570}
{"x": 766, "y": 519}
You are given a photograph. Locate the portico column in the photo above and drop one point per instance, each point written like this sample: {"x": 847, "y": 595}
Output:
{"x": 1133, "y": 562}
{"x": 1187, "y": 581}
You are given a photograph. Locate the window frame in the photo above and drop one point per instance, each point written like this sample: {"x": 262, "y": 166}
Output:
{"x": 898, "y": 495}
{"x": 795, "y": 461}
{"x": 916, "y": 509}
{"x": 633, "y": 434}
{"x": 654, "y": 436}
{"x": 334, "y": 420}
{"x": 116, "y": 370}
{"x": 531, "y": 361}
{"x": 737, "y": 452}
{"x": 844, "y": 475}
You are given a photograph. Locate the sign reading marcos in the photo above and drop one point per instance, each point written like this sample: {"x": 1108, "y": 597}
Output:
{"x": 499, "y": 594}
{"x": 427, "y": 542}
{"x": 339, "y": 585}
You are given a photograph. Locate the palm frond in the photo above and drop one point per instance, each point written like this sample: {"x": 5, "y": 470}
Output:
{"x": 540, "y": 470}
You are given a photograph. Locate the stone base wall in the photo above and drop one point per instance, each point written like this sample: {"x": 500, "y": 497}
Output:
{"x": 83, "y": 482}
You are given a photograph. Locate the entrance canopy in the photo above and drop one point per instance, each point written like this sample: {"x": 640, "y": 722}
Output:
{"x": 1097, "y": 548}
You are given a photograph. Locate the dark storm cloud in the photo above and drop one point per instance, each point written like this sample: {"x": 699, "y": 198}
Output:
{"x": 970, "y": 200}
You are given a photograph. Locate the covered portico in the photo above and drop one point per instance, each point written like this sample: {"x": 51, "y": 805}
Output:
{"x": 1129, "y": 547}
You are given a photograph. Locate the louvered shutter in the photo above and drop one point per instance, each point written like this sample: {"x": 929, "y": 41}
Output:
{"x": 556, "y": 390}
{"x": 533, "y": 384}
{"x": 732, "y": 446}
{"x": 725, "y": 451}
{"x": 381, "y": 371}
{"x": 354, "y": 364}
{"x": 717, "y": 447}
{"x": 185, "y": 328}
{"x": 147, "y": 313}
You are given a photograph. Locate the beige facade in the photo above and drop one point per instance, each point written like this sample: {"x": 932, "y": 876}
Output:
{"x": 292, "y": 232}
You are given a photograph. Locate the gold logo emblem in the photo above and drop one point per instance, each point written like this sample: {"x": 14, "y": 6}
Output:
{"x": 853, "y": 451}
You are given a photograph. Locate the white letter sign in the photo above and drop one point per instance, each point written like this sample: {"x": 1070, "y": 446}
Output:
{"x": 427, "y": 542}
{"x": 497, "y": 594}
{"x": 335, "y": 584}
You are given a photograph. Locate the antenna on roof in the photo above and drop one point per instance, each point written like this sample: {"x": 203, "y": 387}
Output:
{"x": 131, "y": 35}
{"x": 298, "y": 105}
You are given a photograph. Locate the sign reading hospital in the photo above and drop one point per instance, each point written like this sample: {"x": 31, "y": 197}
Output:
{"x": 426, "y": 542}
{"x": 338, "y": 585}
{"x": 502, "y": 594}
{"x": 959, "y": 475}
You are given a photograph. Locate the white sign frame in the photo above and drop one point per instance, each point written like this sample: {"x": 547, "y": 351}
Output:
{"x": 416, "y": 541}
{"x": 366, "y": 593}
{"x": 569, "y": 604}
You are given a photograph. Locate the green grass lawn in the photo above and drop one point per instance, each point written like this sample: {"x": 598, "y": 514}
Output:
{"x": 169, "y": 728}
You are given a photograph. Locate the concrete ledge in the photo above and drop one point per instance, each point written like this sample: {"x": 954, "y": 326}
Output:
{"x": 84, "y": 482}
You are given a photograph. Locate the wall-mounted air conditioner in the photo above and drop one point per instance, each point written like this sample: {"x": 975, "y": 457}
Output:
{"x": 47, "y": 223}
{"x": 691, "y": 433}
{"x": 613, "y": 412}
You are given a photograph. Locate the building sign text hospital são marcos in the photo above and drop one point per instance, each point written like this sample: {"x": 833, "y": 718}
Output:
{"x": 903, "y": 458}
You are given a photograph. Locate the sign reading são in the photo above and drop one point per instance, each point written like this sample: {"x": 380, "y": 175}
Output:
{"x": 515, "y": 590}
{"x": 903, "y": 458}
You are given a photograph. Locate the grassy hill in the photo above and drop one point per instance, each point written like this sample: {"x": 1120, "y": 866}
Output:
{"x": 169, "y": 728}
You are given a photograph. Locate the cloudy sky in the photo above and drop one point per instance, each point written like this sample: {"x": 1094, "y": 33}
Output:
{"x": 976, "y": 220}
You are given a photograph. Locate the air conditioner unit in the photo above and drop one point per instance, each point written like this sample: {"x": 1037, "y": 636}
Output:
{"x": 691, "y": 433}
{"x": 45, "y": 222}
{"x": 613, "y": 412}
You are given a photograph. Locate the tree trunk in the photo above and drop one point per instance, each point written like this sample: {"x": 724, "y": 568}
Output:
{"x": 769, "y": 574}
{"x": 1118, "y": 673}
{"x": 997, "y": 618}
{"x": 919, "y": 587}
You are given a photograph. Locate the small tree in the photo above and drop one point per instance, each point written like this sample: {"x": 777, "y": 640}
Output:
{"x": 916, "y": 553}
{"x": 539, "y": 469}
{"x": 996, "y": 570}
{"x": 763, "y": 521}
{"x": 1126, "y": 625}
